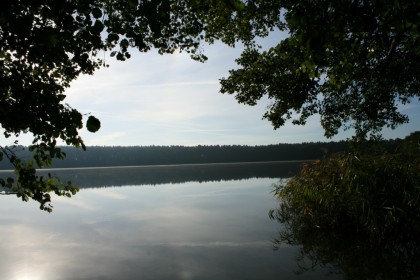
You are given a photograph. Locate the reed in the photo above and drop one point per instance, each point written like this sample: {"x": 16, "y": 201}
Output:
{"x": 374, "y": 194}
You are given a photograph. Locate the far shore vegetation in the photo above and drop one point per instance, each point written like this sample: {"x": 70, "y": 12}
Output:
{"x": 104, "y": 156}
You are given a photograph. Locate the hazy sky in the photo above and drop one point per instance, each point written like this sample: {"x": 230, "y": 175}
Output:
{"x": 154, "y": 99}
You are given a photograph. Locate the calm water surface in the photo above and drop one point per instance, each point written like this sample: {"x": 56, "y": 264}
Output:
{"x": 213, "y": 229}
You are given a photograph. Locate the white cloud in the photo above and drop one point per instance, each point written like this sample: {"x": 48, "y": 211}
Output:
{"x": 170, "y": 99}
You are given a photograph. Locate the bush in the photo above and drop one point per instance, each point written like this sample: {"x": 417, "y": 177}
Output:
{"x": 374, "y": 194}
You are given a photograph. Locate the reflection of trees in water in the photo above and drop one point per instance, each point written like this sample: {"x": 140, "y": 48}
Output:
{"x": 154, "y": 175}
{"x": 168, "y": 174}
{"x": 346, "y": 252}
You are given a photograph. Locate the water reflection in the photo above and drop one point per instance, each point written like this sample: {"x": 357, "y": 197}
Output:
{"x": 350, "y": 254}
{"x": 176, "y": 174}
{"x": 191, "y": 230}
{"x": 185, "y": 223}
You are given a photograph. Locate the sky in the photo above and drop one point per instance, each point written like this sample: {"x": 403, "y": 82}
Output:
{"x": 154, "y": 99}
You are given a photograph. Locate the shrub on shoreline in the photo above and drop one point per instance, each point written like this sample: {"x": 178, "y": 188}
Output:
{"x": 374, "y": 194}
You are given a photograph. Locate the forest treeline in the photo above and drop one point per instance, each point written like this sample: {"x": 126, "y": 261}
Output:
{"x": 105, "y": 156}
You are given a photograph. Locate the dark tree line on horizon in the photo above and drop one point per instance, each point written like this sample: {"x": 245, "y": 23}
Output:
{"x": 102, "y": 156}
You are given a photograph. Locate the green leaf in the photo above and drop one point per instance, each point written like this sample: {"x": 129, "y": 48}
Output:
{"x": 93, "y": 124}
{"x": 120, "y": 56}
{"x": 112, "y": 37}
{"x": 98, "y": 26}
{"x": 124, "y": 43}
{"x": 97, "y": 13}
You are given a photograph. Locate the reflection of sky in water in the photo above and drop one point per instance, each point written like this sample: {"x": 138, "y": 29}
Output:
{"x": 212, "y": 230}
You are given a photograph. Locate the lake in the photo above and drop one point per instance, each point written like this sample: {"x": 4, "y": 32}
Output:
{"x": 161, "y": 222}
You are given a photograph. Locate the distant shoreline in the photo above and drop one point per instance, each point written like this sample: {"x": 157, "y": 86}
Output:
{"x": 125, "y": 157}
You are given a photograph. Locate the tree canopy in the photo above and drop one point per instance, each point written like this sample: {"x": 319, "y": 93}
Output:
{"x": 351, "y": 62}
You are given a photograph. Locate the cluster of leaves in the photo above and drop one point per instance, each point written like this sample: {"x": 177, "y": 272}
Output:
{"x": 351, "y": 62}
{"x": 27, "y": 185}
{"x": 356, "y": 213}
{"x": 375, "y": 194}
